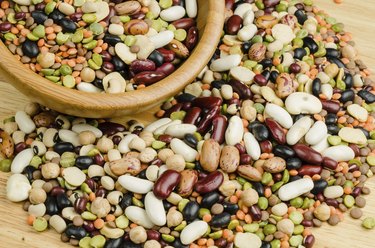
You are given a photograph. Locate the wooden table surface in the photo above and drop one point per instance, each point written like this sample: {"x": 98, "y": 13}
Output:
{"x": 358, "y": 19}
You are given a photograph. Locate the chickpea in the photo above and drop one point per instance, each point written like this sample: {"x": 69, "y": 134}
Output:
{"x": 138, "y": 235}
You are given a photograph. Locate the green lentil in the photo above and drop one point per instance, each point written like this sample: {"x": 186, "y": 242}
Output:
{"x": 296, "y": 217}
{"x": 233, "y": 224}
{"x": 276, "y": 186}
{"x": 40, "y": 224}
{"x": 263, "y": 203}
{"x": 167, "y": 238}
{"x": 216, "y": 235}
{"x": 252, "y": 228}
{"x": 334, "y": 140}
{"x": 98, "y": 241}
{"x": 260, "y": 234}
{"x": 275, "y": 243}
{"x": 181, "y": 226}
{"x": 157, "y": 144}
{"x": 349, "y": 201}
{"x": 53, "y": 78}
{"x": 269, "y": 229}
{"x": 189, "y": 165}
{"x": 77, "y": 37}
{"x": 370, "y": 160}
{"x": 65, "y": 70}
{"x": 368, "y": 223}
{"x": 85, "y": 242}
{"x": 89, "y": 18}
{"x": 5, "y": 165}
{"x": 297, "y": 202}
{"x": 203, "y": 211}
{"x": 88, "y": 216}
{"x": 259, "y": 108}
{"x": 85, "y": 188}
{"x": 266, "y": 178}
{"x": 96, "y": 28}
{"x": 39, "y": 31}
{"x": 30, "y": 36}
{"x": 36, "y": 161}
{"x": 50, "y": 7}
{"x": 90, "y": 45}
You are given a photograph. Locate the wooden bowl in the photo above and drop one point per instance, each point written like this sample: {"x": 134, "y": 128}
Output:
{"x": 210, "y": 22}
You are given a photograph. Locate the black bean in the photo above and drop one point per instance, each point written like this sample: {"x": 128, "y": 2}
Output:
{"x": 167, "y": 205}
{"x": 191, "y": 140}
{"x": 111, "y": 39}
{"x": 346, "y": 96}
{"x": 110, "y": 128}
{"x": 28, "y": 172}
{"x": 259, "y": 188}
{"x": 294, "y": 178}
{"x": 217, "y": 84}
{"x": 210, "y": 199}
{"x": 273, "y": 76}
{"x": 75, "y": 232}
{"x": 311, "y": 44}
{"x": 316, "y": 87}
{"x": 348, "y": 79}
{"x": 260, "y": 132}
{"x": 157, "y": 58}
{"x": 220, "y": 220}
{"x": 283, "y": 151}
{"x": 301, "y": 16}
{"x": 266, "y": 63}
{"x": 255, "y": 213}
{"x": 68, "y": 25}
{"x": 336, "y": 61}
{"x": 126, "y": 200}
{"x": 62, "y": 147}
{"x": 129, "y": 244}
{"x": 56, "y": 16}
{"x": 114, "y": 243}
{"x": 230, "y": 207}
{"x": 30, "y": 48}
{"x": 51, "y": 205}
{"x": 83, "y": 162}
{"x": 367, "y": 96}
{"x": 266, "y": 74}
{"x": 98, "y": 83}
{"x": 246, "y": 47}
{"x": 266, "y": 244}
{"x": 333, "y": 129}
{"x": 185, "y": 97}
{"x": 331, "y": 52}
{"x": 330, "y": 118}
{"x": 177, "y": 244}
{"x": 191, "y": 211}
{"x": 63, "y": 201}
{"x": 142, "y": 174}
{"x": 293, "y": 163}
{"x": 39, "y": 16}
{"x": 319, "y": 186}
{"x": 299, "y": 53}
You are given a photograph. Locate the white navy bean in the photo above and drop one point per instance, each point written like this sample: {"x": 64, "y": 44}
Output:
{"x": 88, "y": 87}
{"x": 113, "y": 155}
{"x": 247, "y": 240}
{"x": 251, "y": 145}
{"x": 155, "y": 125}
{"x": 333, "y": 192}
{"x": 69, "y": 213}
{"x": 242, "y": 9}
{"x": 57, "y": 223}
{"x": 162, "y": 39}
{"x": 193, "y": 231}
{"x": 73, "y": 176}
{"x": 116, "y": 29}
{"x": 339, "y": 153}
{"x": 352, "y": 135}
{"x": 155, "y": 209}
{"x": 247, "y": 32}
{"x": 135, "y": 184}
{"x": 21, "y": 160}
{"x": 95, "y": 171}
{"x": 69, "y": 136}
{"x": 302, "y": 103}
{"x": 180, "y": 130}
{"x": 191, "y": 8}
{"x": 123, "y": 146}
{"x": 162, "y": 169}
{"x": 51, "y": 155}
{"x": 225, "y": 63}
{"x": 234, "y": 132}
{"x": 283, "y": 33}
{"x": 86, "y": 149}
{"x": 358, "y": 112}
{"x": 173, "y": 13}
{"x": 24, "y": 122}
{"x": 327, "y": 90}
{"x": 18, "y": 187}
{"x": 316, "y": 133}
{"x": 322, "y": 145}
{"x": 242, "y": 74}
{"x": 124, "y": 53}
{"x": 279, "y": 114}
{"x": 295, "y": 188}
{"x": 180, "y": 147}
{"x": 298, "y": 130}
{"x": 138, "y": 216}
{"x": 248, "y": 18}
{"x": 161, "y": 130}
{"x": 37, "y": 210}
{"x": 86, "y": 127}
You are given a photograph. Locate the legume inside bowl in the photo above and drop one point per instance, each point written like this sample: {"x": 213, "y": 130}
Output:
{"x": 210, "y": 21}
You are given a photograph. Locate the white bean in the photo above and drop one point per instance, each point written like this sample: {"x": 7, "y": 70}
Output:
{"x": 295, "y": 188}
{"x": 116, "y": 29}
{"x": 21, "y": 160}
{"x": 352, "y": 135}
{"x": 162, "y": 39}
{"x": 316, "y": 133}
{"x": 247, "y": 240}
{"x": 180, "y": 130}
{"x": 155, "y": 125}
{"x": 298, "y": 130}
{"x": 339, "y": 153}
{"x": 322, "y": 145}
{"x": 161, "y": 130}
{"x": 303, "y": 103}
{"x": 57, "y": 223}
{"x": 155, "y": 209}
{"x": 191, "y": 8}
{"x": 180, "y": 147}
{"x": 242, "y": 9}
{"x": 88, "y": 87}
{"x": 18, "y": 187}
{"x": 173, "y": 13}
{"x": 226, "y": 63}
{"x": 234, "y": 132}
{"x": 78, "y": 128}
{"x": 123, "y": 146}
{"x": 135, "y": 184}
{"x": 24, "y": 122}
{"x": 242, "y": 74}
{"x": 73, "y": 176}
{"x": 69, "y": 136}
{"x": 124, "y": 53}
{"x": 251, "y": 145}
{"x": 279, "y": 114}
{"x": 333, "y": 192}
{"x": 248, "y": 18}
{"x": 193, "y": 231}
{"x": 247, "y": 32}
{"x": 138, "y": 216}
{"x": 327, "y": 90}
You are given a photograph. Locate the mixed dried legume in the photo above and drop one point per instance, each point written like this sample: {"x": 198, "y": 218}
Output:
{"x": 95, "y": 46}
{"x": 274, "y": 137}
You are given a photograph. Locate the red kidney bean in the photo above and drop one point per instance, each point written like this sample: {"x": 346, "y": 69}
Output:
{"x": 91, "y": 183}
{"x": 192, "y": 38}
{"x": 329, "y": 163}
{"x": 89, "y": 226}
{"x": 233, "y": 24}
{"x": 108, "y": 67}
{"x": 80, "y": 204}
{"x": 255, "y": 213}
{"x": 330, "y": 106}
{"x": 276, "y": 131}
{"x": 5, "y": 26}
{"x": 235, "y": 101}
{"x": 309, "y": 170}
{"x": 184, "y": 23}
{"x": 241, "y": 89}
{"x": 99, "y": 160}
{"x": 55, "y": 191}
{"x": 245, "y": 159}
{"x": 166, "y": 183}
{"x": 153, "y": 234}
{"x": 20, "y": 147}
{"x": 157, "y": 162}
{"x": 166, "y": 68}
{"x": 175, "y": 108}
{"x": 353, "y": 168}
{"x": 266, "y": 146}
{"x": 356, "y": 191}
{"x": 209, "y": 183}
{"x": 332, "y": 202}
{"x": 221, "y": 242}
{"x": 207, "y": 102}
{"x": 355, "y": 149}
{"x": 229, "y": 4}
{"x": 192, "y": 115}
{"x": 140, "y": 65}
{"x": 20, "y": 15}
{"x": 270, "y": 3}
{"x": 206, "y": 120}
{"x": 307, "y": 223}
{"x": 106, "y": 56}
{"x": 178, "y": 3}
{"x": 100, "y": 192}
{"x": 110, "y": 128}
{"x": 260, "y": 80}
{"x": 308, "y": 154}
{"x": 309, "y": 241}
{"x": 168, "y": 55}
{"x": 241, "y": 148}
{"x": 219, "y": 125}
{"x": 76, "y": 17}
{"x": 148, "y": 77}
{"x": 165, "y": 138}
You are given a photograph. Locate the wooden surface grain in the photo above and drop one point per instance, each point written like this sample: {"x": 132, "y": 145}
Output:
{"x": 358, "y": 19}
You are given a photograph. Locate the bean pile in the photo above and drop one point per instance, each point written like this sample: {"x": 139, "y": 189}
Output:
{"x": 274, "y": 137}
{"x": 100, "y": 46}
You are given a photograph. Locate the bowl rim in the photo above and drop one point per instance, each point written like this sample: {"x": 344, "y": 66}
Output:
{"x": 36, "y": 86}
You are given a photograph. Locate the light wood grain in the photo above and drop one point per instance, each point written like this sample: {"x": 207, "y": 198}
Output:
{"x": 357, "y": 16}
{"x": 73, "y": 102}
